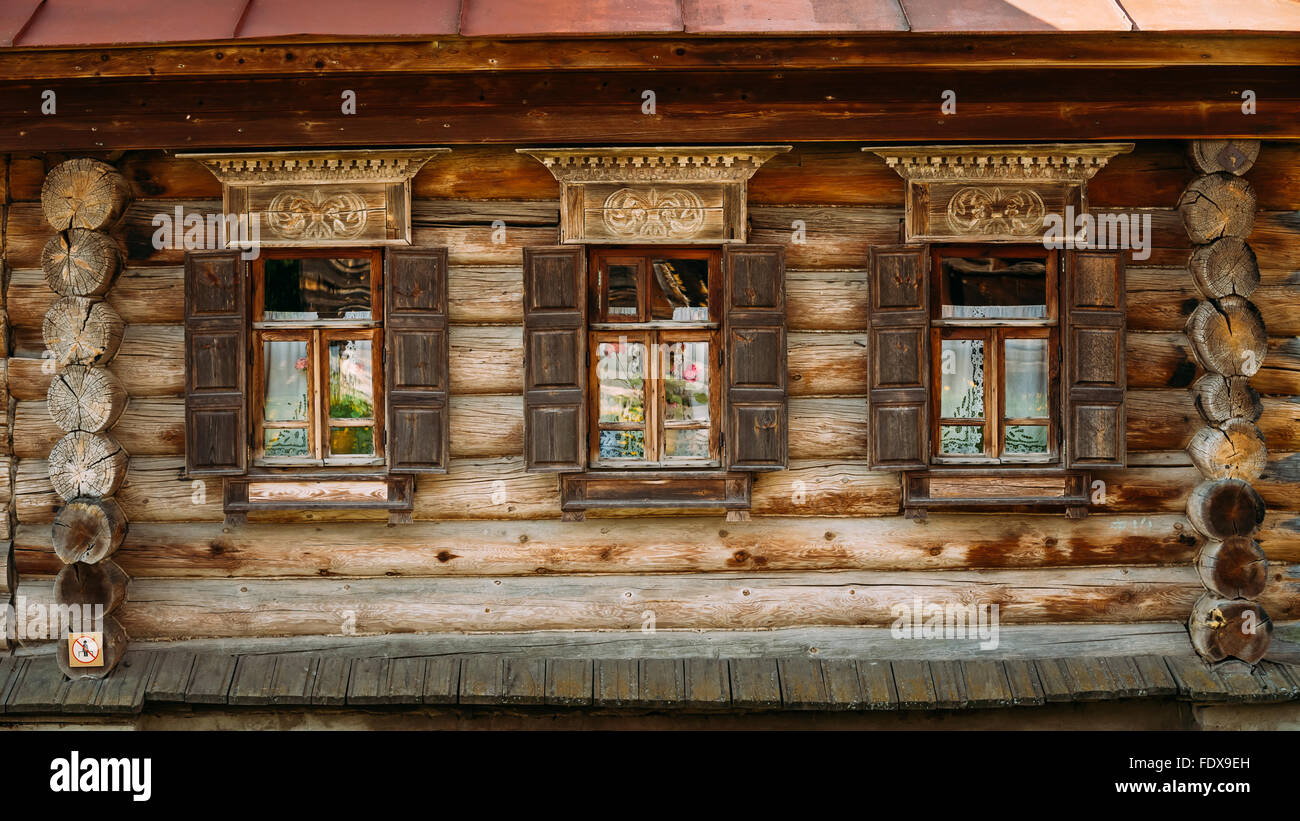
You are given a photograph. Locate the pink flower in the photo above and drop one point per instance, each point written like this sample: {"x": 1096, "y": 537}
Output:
{"x": 301, "y": 364}
{"x": 691, "y": 372}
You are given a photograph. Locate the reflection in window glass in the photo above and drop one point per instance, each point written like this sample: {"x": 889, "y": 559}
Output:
{"x": 350, "y": 379}
{"x": 994, "y": 288}
{"x": 1026, "y": 439}
{"x": 316, "y": 288}
{"x": 282, "y": 442}
{"x": 961, "y": 379}
{"x": 622, "y": 444}
{"x": 681, "y": 291}
{"x": 354, "y": 440}
{"x": 690, "y": 443}
{"x": 620, "y": 368}
{"x": 288, "y": 373}
{"x": 623, "y": 290}
{"x": 686, "y": 381}
{"x": 961, "y": 439}
{"x": 1026, "y": 372}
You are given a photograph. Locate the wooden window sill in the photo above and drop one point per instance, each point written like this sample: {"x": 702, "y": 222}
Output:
{"x": 318, "y": 490}
{"x": 997, "y": 489}
{"x": 662, "y": 489}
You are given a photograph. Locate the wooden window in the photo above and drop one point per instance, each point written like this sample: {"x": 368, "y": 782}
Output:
{"x": 317, "y": 388}
{"x": 994, "y": 355}
{"x": 655, "y": 357}
{"x": 655, "y": 362}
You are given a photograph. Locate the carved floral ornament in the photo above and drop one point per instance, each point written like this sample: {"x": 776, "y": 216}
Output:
{"x": 993, "y": 192}
{"x": 306, "y": 198}
{"x": 685, "y": 194}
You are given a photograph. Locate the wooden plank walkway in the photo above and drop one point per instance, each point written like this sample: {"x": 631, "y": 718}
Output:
{"x": 33, "y": 685}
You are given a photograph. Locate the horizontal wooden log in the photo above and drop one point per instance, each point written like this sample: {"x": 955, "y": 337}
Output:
{"x": 174, "y": 608}
{"x": 140, "y": 295}
{"x": 828, "y": 428}
{"x": 154, "y": 490}
{"x": 1165, "y": 489}
{"x": 681, "y": 544}
{"x": 1162, "y": 299}
{"x": 826, "y": 488}
{"x": 1166, "y": 420}
{"x": 822, "y": 364}
{"x": 148, "y": 427}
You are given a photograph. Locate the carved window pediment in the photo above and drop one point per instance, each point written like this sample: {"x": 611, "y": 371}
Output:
{"x": 319, "y": 198}
{"x": 648, "y": 195}
{"x": 993, "y": 193}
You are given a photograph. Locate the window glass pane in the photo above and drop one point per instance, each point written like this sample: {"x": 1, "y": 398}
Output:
{"x": 1026, "y": 439}
{"x": 681, "y": 289}
{"x": 288, "y": 373}
{"x": 351, "y": 385}
{"x": 622, "y": 290}
{"x": 993, "y": 288}
{"x": 282, "y": 442}
{"x": 620, "y": 369}
{"x": 622, "y": 444}
{"x": 1026, "y": 364}
{"x": 961, "y": 379}
{"x": 686, "y": 381}
{"x": 314, "y": 288}
{"x": 961, "y": 439}
{"x": 352, "y": 441}
{"x": 686, "y": 444}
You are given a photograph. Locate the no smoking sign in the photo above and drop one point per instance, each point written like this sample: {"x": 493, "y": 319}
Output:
{"x": 86, "y": 650}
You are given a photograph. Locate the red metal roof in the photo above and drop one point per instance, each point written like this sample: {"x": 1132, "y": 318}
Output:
{"x": 56, "y": 23}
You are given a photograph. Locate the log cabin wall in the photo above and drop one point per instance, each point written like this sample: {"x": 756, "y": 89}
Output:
{"x": 487, "y": 551}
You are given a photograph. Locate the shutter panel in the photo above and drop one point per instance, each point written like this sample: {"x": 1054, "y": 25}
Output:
{"x": 415, "y": 355}
{"x": 216, "y": 361}
{"x": 757, "y": 415}
{"x": 555, "y": 372}
{"x": 898, "y": 347}
{"x": 1093, "y": 352}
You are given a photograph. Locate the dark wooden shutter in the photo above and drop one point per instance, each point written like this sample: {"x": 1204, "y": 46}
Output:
{"x": 555, "y": 344}
{"x": 899, "y": 342}
{"x": 415, "y": 353}
{"x": 757, "y": 424}
{"x": 216, "y": 360}
{"x": 1093, "y": 352}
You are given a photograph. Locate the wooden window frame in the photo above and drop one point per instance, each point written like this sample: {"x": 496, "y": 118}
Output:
{"x": 994, "y": 333}
{"x": 656, "y": 335}
{"x": 318, "y": 334}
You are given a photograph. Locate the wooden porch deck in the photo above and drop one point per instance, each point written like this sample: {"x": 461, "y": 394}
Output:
{"x": 156, "y": 678}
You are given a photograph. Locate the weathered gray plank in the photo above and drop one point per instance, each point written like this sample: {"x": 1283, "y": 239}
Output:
{"x": 986, "y": 683}
{"x": 843, "y": 690}
{"x": 1272, "y": 676}
{"x": 803, "y": 686}
{"x": 123, "y": 690}
{"x": 1196, "y": 681}
{"x": 11, "y": 672}
{"x": 949, "y": 685}
{"x": 171, "y": 675}
{"x": 294, "y": 678}
{"x": 441, "y": 680}
{"x": 914, "y": 686}
{"x": 1022, "y": 676}
{"x": 1056, "y": 684}
{"x": 210, "y": 679}
{"x": 1156, "y": 676}
{"x": 755, "y": 683}
{"x": 40, "y": 689}
{"x": 1088, "y": 679}
{"x": 368, "y": 683}
{"x": 1125, "y": 678}
{"x": 1240, "y": 683}
{"x": 879, "y": 692}
{"x": 480, "y": 680}
{"x": 405, "y": 680}
{"x": 331, "y": 686}
{"x": 708, "y": 683}
{"x": 663, "y": 682}
{"x": 617, "y": 682}
{"x": 81, "y": 695}
{"x": 252, "y": 682}
{"x": 523, "y": 680}
{"x": 568, "y": 682}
